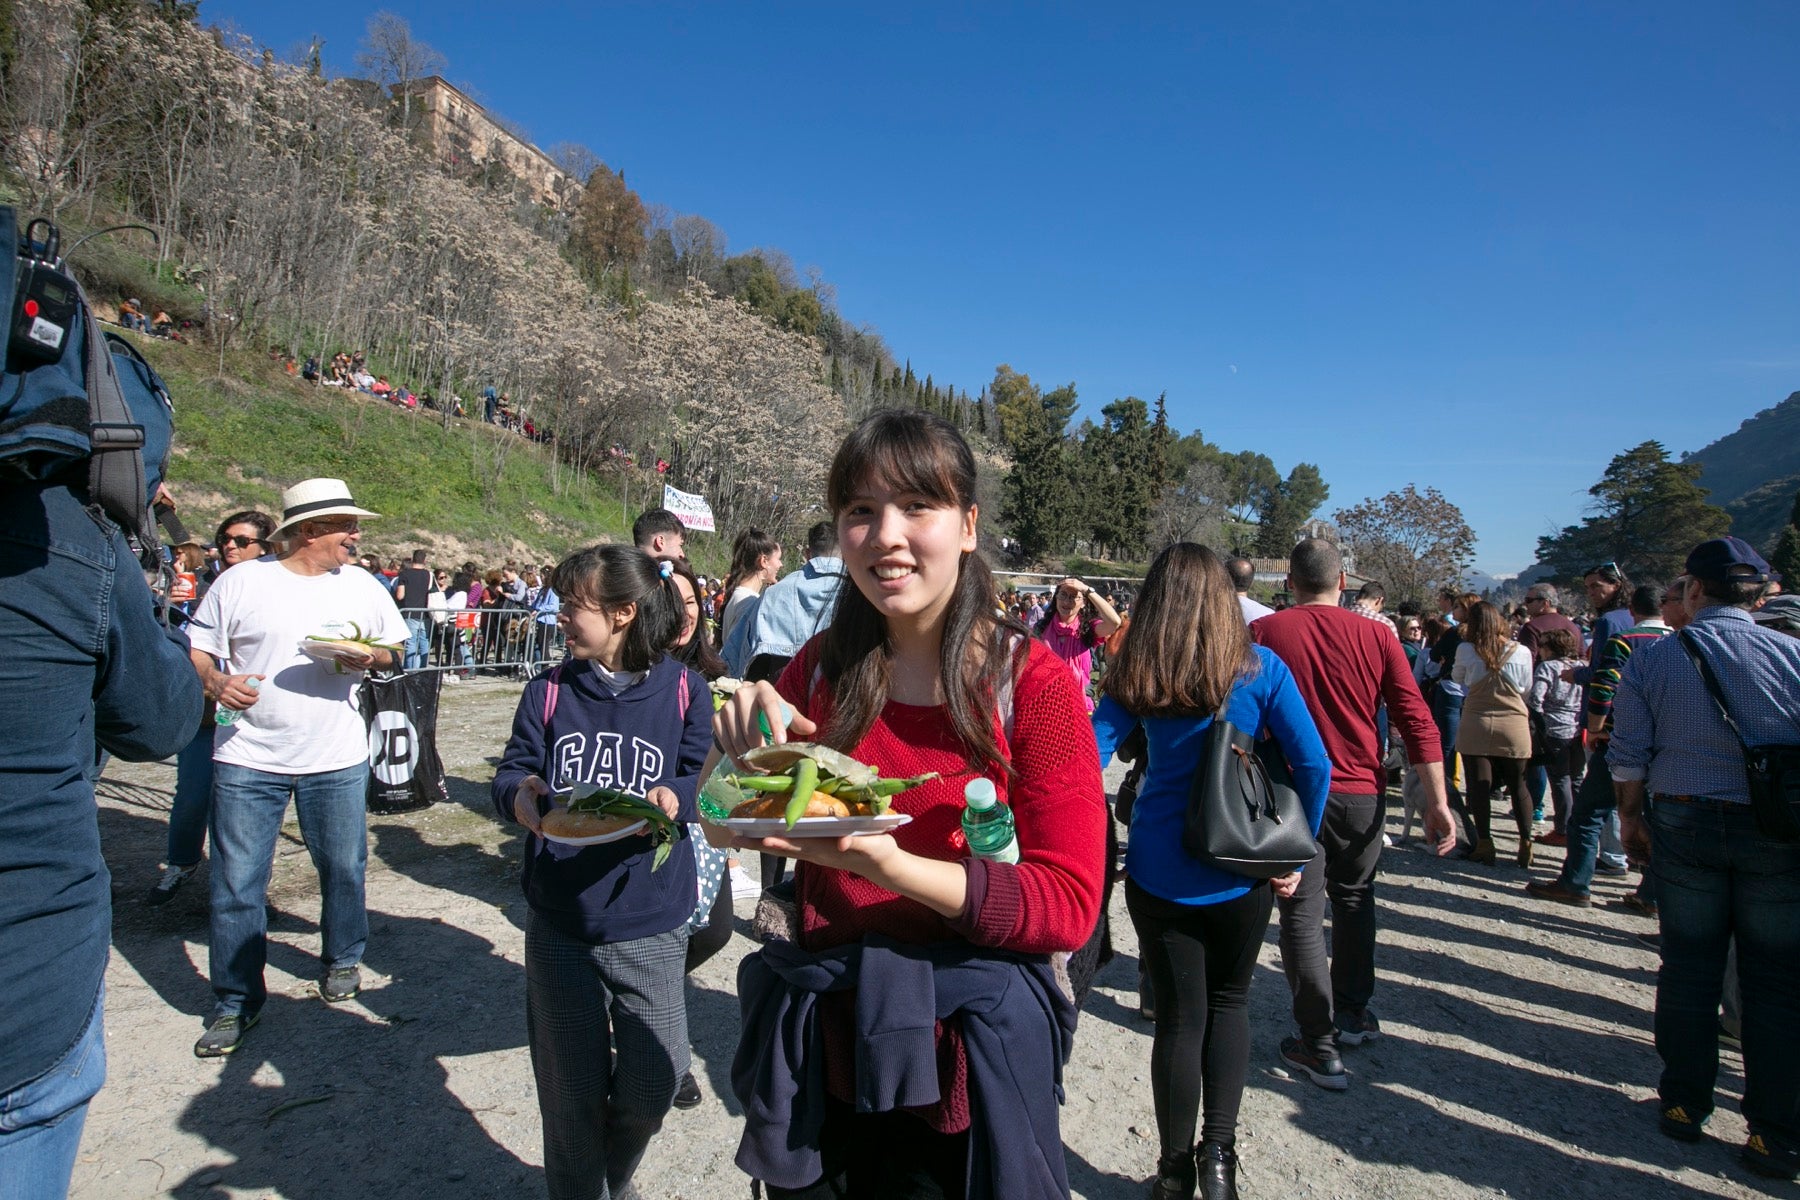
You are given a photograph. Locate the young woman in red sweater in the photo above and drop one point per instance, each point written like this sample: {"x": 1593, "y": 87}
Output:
{"x": 918, "y": 672}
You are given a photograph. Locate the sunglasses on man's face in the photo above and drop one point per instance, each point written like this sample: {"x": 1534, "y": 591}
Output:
{"x": 242, "y": 542}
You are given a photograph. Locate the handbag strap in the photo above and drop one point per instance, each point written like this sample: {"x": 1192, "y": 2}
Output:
{"x": 1691, "y": 645}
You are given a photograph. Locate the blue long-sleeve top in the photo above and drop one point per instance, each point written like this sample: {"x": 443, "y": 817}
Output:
{"x": 1267, "y": 702}
{"x": 633, "y": 740}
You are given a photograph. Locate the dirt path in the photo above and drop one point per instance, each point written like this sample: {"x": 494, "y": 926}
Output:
{"x": 1517, "y": 1059}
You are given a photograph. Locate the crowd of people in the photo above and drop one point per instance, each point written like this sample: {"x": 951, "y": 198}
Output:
{"x": 908, "y": 1011}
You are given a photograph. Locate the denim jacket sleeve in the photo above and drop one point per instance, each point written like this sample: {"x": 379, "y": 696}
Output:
{"x": 147, "y": 698}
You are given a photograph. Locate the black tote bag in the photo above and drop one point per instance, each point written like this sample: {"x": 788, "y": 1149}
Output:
{"x": 1243, "y": 814}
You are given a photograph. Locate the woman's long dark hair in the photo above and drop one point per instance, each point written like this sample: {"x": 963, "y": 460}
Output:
{"x": 1188, "y": 644}
{"x": 698, "y": 653}
{"x": 746, "y": 560}
{"x": 917, "y": 452}
{"x": 612, "y": 575}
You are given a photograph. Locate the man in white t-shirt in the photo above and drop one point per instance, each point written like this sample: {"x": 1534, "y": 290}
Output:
{"x": 1243, "y": 574}
{"x": 297, "y": 732}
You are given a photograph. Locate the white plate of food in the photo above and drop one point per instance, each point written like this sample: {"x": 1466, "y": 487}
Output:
{"x": 588, "y": 829}
{"x": 336, "y": 652}
{"x": 814, "y": 827}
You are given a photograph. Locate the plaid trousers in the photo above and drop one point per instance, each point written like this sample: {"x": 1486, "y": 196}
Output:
{"x": 583, "y": 1003}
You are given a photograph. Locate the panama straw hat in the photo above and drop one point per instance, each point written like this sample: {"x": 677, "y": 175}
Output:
{"x": 313, "y": 498}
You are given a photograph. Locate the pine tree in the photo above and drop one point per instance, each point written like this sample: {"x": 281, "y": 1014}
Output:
{"x": 1648, "y": 513}
{"x": 1786, "y": 558}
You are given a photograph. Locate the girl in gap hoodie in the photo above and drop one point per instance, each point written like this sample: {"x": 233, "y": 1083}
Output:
{"x": 606, "y": 936}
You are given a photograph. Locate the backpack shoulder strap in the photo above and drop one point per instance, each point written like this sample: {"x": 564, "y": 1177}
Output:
{"x": 116, "y": 466}
{"x": 682, "y": 699}
{"x": 550, "y": 696}
{"x": 1692, "y": 646}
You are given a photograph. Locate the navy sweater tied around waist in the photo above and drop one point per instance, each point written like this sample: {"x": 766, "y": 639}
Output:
{"x": 1017, "y": 1027}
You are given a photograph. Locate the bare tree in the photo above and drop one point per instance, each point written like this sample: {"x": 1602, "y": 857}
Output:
{"x": 393, "y": 56}
{"x": 574, "y": 160}
{"x": 699, "y": 245}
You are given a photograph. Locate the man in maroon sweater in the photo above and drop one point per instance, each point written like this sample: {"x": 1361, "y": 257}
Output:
{"x": 1346, "y": 667}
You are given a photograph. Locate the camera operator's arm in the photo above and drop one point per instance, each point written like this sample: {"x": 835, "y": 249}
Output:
{"x": 146, "y": 699}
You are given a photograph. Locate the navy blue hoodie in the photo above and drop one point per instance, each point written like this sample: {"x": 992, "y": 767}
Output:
{"x": 633, "y": 741}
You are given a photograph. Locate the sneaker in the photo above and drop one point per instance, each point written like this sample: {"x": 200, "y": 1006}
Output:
{"x": 1354, "y": 1029}
{"x": 1677, "y": 1122}
{"x": 1552, "y": 838}
{"x": 688, "y": 1093}
{"x": 1558, "y": 891}
{"x": 224, "y": 1034}
{"x": 1614, "y": 869}
{"x": 1769, "y": 1161}
{"x": 1322, "y": 1066}
{"x": 1652, "y": 941}
{"x": 341, "y": 984}
{"x": 1633, "y": 902}
{"x": 172, "y": 878}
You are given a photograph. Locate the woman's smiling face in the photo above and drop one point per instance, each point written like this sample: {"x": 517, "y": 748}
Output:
{"x": 904, "y": 550}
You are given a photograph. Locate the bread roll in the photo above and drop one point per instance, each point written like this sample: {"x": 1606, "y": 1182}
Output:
{"x": 560, "y": 822}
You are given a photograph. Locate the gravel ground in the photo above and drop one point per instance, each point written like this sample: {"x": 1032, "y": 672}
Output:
{"x": 1517, "y": 1058}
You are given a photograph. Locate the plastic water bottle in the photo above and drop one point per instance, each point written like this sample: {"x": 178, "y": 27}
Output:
{"x": 229, "y": 716}
{"x": 988, "y": 824}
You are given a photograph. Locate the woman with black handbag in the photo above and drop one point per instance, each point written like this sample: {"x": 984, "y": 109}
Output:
{"x": 1199, "y": 927}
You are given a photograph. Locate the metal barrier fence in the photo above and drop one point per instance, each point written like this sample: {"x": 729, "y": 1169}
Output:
{"x": 500, "y": 642}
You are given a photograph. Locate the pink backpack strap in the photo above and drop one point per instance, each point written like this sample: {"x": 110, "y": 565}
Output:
{"x": 550, "y": 696}
{"x": 681, "y": 695}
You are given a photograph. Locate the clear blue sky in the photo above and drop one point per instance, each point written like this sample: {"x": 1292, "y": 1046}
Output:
{"x": 1476, "y": 247}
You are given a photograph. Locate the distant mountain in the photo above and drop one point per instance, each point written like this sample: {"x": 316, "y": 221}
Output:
{"x": 1754, "y": 472}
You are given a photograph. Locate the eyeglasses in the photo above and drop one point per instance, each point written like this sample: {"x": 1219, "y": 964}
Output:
{"x": 338, "y": 527}
{"x": 1608, "y": 571}
{"x": 1536, "y": 599}
{"x": 242, "y": 542}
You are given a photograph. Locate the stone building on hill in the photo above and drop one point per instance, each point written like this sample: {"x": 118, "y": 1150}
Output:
{"x": 465, "y": 138}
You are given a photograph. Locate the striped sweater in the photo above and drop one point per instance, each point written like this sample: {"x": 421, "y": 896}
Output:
{"x": 1611, "y": 663}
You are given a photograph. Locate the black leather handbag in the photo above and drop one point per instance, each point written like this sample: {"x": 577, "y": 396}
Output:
{"x": 1243, "y": 814}
{"x": 1772, "y": 772}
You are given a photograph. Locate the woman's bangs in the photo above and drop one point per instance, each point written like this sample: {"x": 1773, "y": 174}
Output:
{"x": 901, "y": 458}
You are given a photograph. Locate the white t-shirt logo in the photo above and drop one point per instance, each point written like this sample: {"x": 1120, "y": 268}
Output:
{"x": 393, "y": 747}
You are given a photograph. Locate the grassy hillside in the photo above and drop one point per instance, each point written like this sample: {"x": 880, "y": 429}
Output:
{"x": 469, "y": 491}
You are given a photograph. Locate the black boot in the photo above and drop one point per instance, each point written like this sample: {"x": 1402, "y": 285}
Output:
{"x": 1174, "y": 1177}
{"x": 1218, "y": 1172}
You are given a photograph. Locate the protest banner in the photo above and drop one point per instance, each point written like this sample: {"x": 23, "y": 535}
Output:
{"x": 691, "y": 510}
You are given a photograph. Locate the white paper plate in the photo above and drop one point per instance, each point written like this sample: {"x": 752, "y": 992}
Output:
{"x": 814, "y": 827}
{"x": 324, "y": 651}
{"x": 631, "y": 830}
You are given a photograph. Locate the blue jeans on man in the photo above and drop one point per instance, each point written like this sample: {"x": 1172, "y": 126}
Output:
{"x": 191, "y": 809}
{"x": 248, "y": 807}
{"x": 1594, "y": 807}
{"x": 1718, "y": 878}
{"x": 418, "y": 644}
{"x": 41, "y": 1121}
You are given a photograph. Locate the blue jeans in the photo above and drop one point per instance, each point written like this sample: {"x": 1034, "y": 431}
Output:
{"x": 191, "y": 808}
{"x": 1716, "y": 879}
{"x": 418, "y": 644}
{"x": 248, "y": 806}
{"x": 40, "y": 1122}
{"x": 1594, "y": 805}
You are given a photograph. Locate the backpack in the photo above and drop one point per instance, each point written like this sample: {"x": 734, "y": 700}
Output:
{"x": 73, "y": 393}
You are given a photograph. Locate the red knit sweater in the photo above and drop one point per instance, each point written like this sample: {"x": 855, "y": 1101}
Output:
{"x": 1048, "y": 902}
